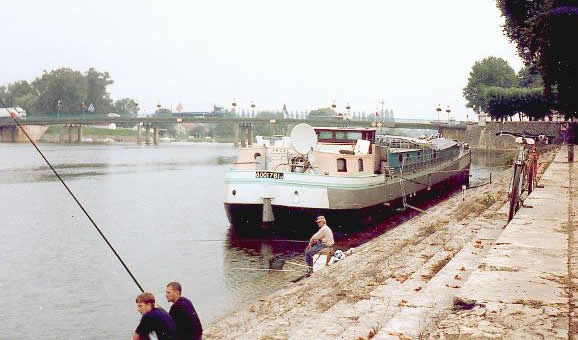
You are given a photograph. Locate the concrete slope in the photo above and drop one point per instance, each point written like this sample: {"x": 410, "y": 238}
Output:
{"x": 524, "y": 288}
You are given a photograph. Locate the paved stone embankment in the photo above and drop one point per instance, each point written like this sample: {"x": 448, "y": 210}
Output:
{"x": 484, "y": 137}
{"x": 397, "y": 286}
{"x": 525, "y": 287}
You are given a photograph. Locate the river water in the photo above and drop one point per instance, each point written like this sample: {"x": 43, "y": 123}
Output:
{"x": 161, "y": 208}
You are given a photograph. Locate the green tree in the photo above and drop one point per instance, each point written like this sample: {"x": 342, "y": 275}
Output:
{"x": 19, "y": 93}
{"x": 222, "y": 129}
{"x": 269, "y": 129}
{"x": 75, "y": 91}
{"x": 529, "y": 77}
{"x": 490, "y": 71}
{"x": 544, "y": 33}
{"x": 502, "y": 103}
{"x": 126, "y": 106}
{"x": 96, "y": 93}
{"x": 64, "y": 85}
{"x": 322, "y": 113}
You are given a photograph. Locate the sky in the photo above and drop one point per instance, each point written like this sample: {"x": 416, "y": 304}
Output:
{"x": 413, "y": 55}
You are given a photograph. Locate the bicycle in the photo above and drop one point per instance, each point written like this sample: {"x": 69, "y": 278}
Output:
{"x": 525, "y": 170}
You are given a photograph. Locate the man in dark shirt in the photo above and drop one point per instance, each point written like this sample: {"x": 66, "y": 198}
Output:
{"x": 186, "y": 318}
{"x": 153, "y": 321}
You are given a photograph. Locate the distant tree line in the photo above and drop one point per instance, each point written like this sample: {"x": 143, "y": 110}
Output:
{"x": 544, "y": 32}
{"x": 495, "y": 88}
{"x": 66, "y": 91}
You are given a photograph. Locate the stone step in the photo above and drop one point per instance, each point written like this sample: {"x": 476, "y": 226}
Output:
{"x": 343, "y": 315}
{"x": 436, "y": 298}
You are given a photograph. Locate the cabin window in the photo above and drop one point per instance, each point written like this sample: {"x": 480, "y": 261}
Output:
{"x": 360, "y": 164}
{"x": 325, "y": 134}
{"x": 341, "y": 165}
{"x": 340, "y": 135}
{"x": 354, "y": 135}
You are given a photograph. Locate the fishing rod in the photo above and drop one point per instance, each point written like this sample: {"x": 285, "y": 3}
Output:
{"x": 16, "y": 120}
{"x": 249, "y": 240}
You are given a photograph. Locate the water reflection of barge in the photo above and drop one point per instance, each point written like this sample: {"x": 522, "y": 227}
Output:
{"x": 347, "y": 174}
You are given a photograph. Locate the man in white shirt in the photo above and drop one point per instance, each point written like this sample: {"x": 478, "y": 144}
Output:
{"x": 323, "y": 238}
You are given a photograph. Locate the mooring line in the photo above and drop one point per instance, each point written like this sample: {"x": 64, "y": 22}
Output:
{"x": 14, "y": 117}
{"x": 269, "y": 270}
{"x": 297, "y": 264}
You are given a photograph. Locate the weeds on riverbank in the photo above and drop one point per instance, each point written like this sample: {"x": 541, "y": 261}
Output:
{"x": 475, "y": 208}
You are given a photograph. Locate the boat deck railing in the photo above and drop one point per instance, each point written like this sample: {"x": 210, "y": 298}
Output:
{"x": 413, "y": 164}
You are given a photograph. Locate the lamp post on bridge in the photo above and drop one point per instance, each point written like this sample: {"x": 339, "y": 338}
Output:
{"x": 58, "y": 108}
{"x": 83, "y": 108}
{"x": 439, "y": 109}
{"x": 234, "y": 104}
{"x": 448, "y": 111}
{"x": 252, "y": 109}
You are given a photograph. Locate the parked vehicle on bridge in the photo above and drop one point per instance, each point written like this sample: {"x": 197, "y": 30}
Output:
{"x": 5, "y": 112}
{"x": 189, "y": 114}
{"x": 342, "y": 116}
{"x": 218, "y": 114}
{"x": 113, "y": 115}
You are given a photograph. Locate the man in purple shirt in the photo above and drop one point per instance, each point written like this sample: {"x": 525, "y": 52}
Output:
{"x": 184, "y": 314}
{"x": 155, "y": 321}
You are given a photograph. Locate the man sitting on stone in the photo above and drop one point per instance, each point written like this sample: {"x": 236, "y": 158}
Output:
{"x": 154, "y": 320}
{"x": 323, "y": 238}
{"x": 183, "y": 312}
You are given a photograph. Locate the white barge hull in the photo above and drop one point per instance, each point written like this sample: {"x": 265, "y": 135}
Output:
{"x": 297, "y": 195}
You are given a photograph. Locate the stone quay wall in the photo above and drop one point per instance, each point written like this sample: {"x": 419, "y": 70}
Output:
{"x": 485, "y": 136}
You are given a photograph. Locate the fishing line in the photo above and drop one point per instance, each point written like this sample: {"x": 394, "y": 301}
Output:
{"x": 268, "y": 270}
{"x": 75, "y": 199}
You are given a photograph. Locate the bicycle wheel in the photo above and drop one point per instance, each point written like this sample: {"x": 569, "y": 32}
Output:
{"x": 515, "y": 194}
{"x": 523, "y": 180}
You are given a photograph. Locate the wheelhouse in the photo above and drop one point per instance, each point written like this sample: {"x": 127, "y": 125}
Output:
{"x": 348, "y": 136}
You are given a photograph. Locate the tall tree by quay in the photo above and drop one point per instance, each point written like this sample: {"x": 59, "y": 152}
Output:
{"x": 544, "y": 32}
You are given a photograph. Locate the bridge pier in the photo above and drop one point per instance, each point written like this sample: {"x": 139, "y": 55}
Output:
{"x": 243, "y": 131}
{"x": 79, "y": 133}
{"x": 147, "y": 134}
{"x": 8, "y": 134}
{"x": 12, "y": 133}
{"x": 62, "y": 137}
{"x": 249, "y": 134}
{"x": 236, "y": 133}
{"x": 70, "y": 139}
{"x": 139, "y": 133}
{"x": 73, "y": 134}
{"x": 156, "y": 135}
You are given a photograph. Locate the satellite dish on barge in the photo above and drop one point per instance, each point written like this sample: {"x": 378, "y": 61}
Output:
{"x": 303, "y": 138}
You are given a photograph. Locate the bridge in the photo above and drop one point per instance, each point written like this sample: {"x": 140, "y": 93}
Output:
{"x": 242, "y": 124}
